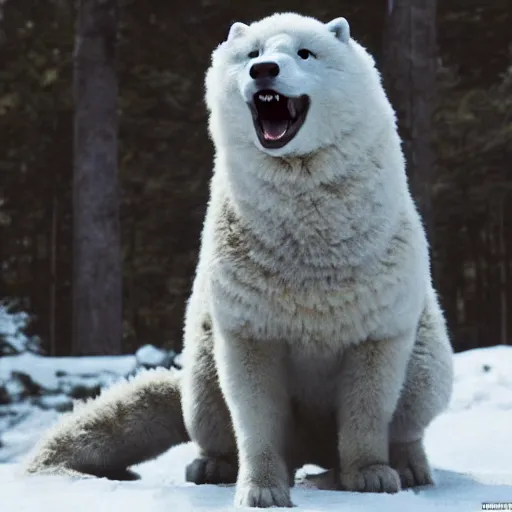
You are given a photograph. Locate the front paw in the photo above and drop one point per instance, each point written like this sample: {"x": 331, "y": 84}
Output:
{"x": 374, "y": 478}
{"x": 253, "y": 495}
{"x": 411, "y": 463}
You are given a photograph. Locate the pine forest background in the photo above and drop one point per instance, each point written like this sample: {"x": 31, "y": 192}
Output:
{"x": 165, "y": 157}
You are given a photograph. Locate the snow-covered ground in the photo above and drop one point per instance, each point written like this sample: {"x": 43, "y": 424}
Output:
{"x": 470, "y": 447}
{"x": 22, "y": 421}
{"x": 12, "y": 337}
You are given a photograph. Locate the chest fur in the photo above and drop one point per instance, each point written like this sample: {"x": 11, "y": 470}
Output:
{"x": 264, "y": 292}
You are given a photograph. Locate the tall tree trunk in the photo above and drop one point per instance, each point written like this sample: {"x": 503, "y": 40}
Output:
{"x": 503, "y": 273}
{"x": 97, "y": 276}
{"x": 409, "y": 75}
{"x": 53, "y": 275}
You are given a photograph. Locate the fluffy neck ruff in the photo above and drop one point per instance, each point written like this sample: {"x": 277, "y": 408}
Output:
{"x": 333, "y": 208}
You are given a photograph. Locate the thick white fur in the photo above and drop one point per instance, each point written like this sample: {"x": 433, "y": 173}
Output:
{"x": 314, "y": 266}
{"x": 313, "y": 332}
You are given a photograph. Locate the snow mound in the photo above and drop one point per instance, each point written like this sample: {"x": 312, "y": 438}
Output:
{"x": 149, "y": 356}
{"x": 486, "y": 375}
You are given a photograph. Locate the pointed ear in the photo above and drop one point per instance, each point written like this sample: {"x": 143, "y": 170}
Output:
{"x": 237, "y": 29}
{"x": 340, "y": 28}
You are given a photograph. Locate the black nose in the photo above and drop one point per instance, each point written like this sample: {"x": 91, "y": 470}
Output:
{"x": 264, "y": 70}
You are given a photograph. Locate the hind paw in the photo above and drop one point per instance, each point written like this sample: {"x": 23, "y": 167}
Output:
{"x": 211, "y": 470}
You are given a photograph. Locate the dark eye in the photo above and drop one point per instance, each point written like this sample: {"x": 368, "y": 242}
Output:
{"x": 253, "y": 54}
{"x": 305, "y": 54}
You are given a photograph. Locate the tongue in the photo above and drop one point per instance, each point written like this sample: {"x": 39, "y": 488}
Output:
{"x": 274, "y": 130}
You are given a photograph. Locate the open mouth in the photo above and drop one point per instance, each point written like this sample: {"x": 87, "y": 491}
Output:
{"x": 277, "y": 118}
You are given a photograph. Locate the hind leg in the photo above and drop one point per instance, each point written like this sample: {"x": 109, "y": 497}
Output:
{"x": 425, "y": 394}
{"x": 206, "y": 414}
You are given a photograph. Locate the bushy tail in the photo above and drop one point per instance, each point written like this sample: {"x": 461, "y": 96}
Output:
{"x": 131, "y": 422}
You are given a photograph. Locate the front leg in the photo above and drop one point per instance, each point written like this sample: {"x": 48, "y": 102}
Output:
{"x": 372, "y": 376}
{"x": 252, "y": 378}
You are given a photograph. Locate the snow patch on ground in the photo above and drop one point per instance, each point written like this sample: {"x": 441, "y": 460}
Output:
{"x": 12, "y": 337}
{"x": 469, "y": 447}
{"x": 46, "y": 370}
